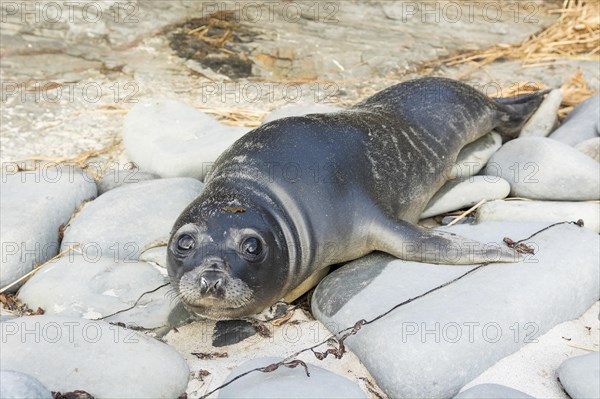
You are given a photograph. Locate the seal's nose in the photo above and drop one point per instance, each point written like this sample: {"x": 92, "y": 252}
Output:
{"x": 212, "y": 282}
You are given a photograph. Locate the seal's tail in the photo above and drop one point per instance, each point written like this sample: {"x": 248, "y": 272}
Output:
{"x": 517, "y": 110}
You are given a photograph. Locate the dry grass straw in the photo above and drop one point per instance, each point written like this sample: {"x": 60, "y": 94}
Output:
{"x": 575, "y": 35}
{"x": 82, "y": 160}
{"x": 241, "y": 118}
{"x": 574, "y": 91}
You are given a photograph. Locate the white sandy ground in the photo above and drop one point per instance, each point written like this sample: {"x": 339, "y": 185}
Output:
{"x": 299, "y": 333}
{"x": 531, "y": 370}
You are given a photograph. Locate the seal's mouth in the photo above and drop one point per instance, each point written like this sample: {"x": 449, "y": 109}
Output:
{"x": 214, "y": 293}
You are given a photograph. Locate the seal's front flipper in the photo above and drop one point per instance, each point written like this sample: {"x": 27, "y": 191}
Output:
{"x": 410, "y": 242}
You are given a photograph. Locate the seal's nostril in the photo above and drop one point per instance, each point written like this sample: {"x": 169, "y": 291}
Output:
{"x": 218, "y": 283}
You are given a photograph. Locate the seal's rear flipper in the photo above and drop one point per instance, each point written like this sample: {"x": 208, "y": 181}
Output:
{"x": 410, "y": 242}
{"x": 516, "y": 111}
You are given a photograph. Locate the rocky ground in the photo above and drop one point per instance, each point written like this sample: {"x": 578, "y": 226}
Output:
{"x": 195, "y": 85}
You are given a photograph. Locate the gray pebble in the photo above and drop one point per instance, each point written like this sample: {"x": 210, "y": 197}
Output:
{"x": 122, "y": 222}
{"x": 463, "y": 193}
{"x": 580, "y": 124}
{"x": 118, "y": 177}
{"x": 156, "y": 256}
{"x": 107, "y": 361}
{"x": 172, "y": 139}
{"x": 289, "y": 383}
{"x": 580, "y": 376}
{"x": 541, "y": 211}
{"x": 473, "y": 157}
{"x": 492, "y": 391}
{"x": 545, "y": 118}
{"x": 546, "y": 169}
{"x": 34, "y": 205}
{"x": 16, "y": 385}
{"x": 76, "y": 286}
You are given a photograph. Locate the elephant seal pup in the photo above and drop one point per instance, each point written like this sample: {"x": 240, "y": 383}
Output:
{"x": 301, "y": 193}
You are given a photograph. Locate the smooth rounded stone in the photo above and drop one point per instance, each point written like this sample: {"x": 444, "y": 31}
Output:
{"x": 545, "y": 118}
{"x": 580, "y": 124}
{"x": 541, "y": 211}
{"x": 34, "y": 204}
{"x": 470, "y": 324}
{"x": 473, "y": 157}
{"x": 580, "y": 376}
{"x": 75, "y": 286}
{"x": 107, "y": 361}
{"x": 118, "y": 177}
{"x": 541, "y": 168}
{"x": 289, "y": 382}
{"x": 172, "y": 139}
{"x": 124, "y": 221}
{"x": 300, "y": 110}
{"x": 16, "y": 385}
{"x": 156, "y": 256}
{"x": 463, "y": 193}
{"x": 492, "y": 391}
{"x": 590, "y": 147}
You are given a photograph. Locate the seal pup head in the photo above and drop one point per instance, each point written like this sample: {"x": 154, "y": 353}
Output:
{"x": 227, "y": 259}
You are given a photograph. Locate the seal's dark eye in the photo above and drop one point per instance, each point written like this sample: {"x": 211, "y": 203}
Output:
{"x": 252, "y": 246}
{"x": 185, "y": 242}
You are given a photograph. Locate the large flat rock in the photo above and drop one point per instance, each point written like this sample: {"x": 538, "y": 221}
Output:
{"x": 546, "y": 169}
{"x": 580, "y": 376}
{"x": 16, "y": 385}
{"x": 76, "y": 287}
{"x": 541, "y": 211}
{"x": 289, "y": 383}
{"x": 440, "y": 342}
{"x": 122, "y": 222}
{"x": 581, "y": 124}
{"x": 465, "y": 192}
{"x": 492, "y": 391}
{"x": 173, "y": 139}
{"x": 107, "y": 361}
{"x": 34, "y": 204}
